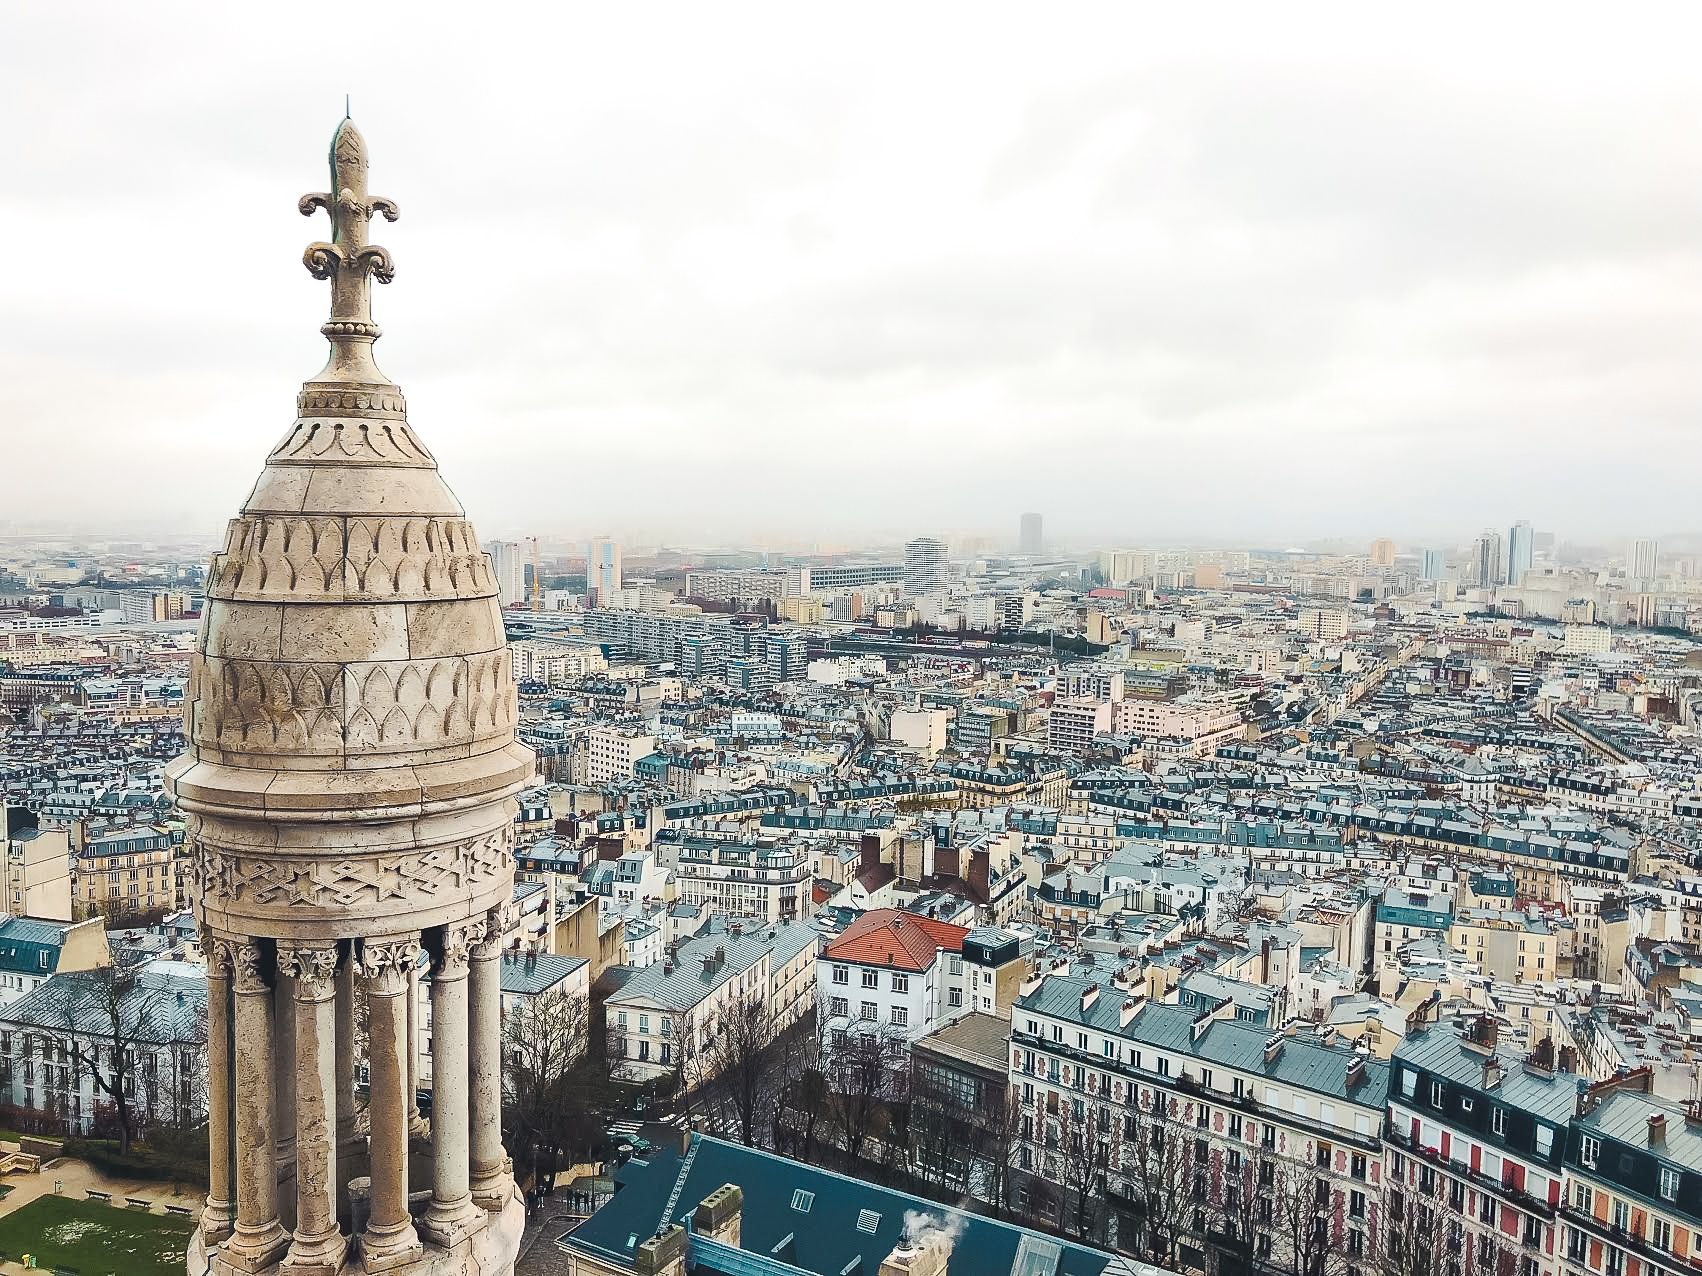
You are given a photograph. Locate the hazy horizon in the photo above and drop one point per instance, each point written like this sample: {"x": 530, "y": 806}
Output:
{"x": 763, "y": 275}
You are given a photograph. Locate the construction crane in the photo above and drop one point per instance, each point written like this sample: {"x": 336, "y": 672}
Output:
{"x": 537, "y": 576}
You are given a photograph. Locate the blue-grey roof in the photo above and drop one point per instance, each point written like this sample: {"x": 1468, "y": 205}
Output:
{"x": 834, "y": 1222}
{"x": 1438, "y": 1049}
{"x": 24, "y": 940}
{"x": 537, "y": 972}
{"x": 692, "y": 973}
{"x": 1304, "y": 1062}
{"x": 161, "y": 1006}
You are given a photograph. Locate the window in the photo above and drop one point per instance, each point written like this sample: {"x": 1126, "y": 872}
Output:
{"x": 1498, "y": 1120}
{"x": 1163, "y": 1066}
{"x": 1590, "y": 1150}
{"x": 620, "y": 1019}
{"x": 802, "y": 1200}
{"x": 871, "y": 979}
{"x": 900, "y": 1017}
{"x": 1583, "y": 1198}
{"x": 839, "y": 1007}
{"x": 841, "y": 975}
{"x": 1465, "y": 1103}
{"x": 1622, "y": 1216}
{"x": 1409, "y": 1080}
{"x": 868, "y": 1010}
{"x": 1356, "y": 1205}
{"x": 900, "y": 983}
{"x": 1435, "y": 1094}
{"x": 954, "y": 997}
{"x": 644, "y": 1023}
{"x": 1660, "y": 1233}
{"x": 1669, "y": 1184}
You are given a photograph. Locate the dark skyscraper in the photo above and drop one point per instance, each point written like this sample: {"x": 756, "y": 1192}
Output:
{"x": 1030, "y": 541}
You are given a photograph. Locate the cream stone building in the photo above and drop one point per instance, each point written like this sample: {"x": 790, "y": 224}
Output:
{"x": 348, "y": 787}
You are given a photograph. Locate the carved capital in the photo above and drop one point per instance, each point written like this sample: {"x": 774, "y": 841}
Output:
{"x": 495, "y": 926}
{"x": 313, "y": 967}
{"x": 250, "y": 965}
{"x": 221, "y": 957}
{"x": 459, "y": 941}
{"x": 387, "y": 963}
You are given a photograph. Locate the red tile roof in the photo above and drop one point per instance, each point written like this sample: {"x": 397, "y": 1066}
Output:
{"x": 893, "y": 937}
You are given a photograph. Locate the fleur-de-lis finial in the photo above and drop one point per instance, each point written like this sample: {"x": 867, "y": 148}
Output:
{"x": 348, "y": 261}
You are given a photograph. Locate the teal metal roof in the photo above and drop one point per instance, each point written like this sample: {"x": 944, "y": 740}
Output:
{"x": 835, "y": 1224}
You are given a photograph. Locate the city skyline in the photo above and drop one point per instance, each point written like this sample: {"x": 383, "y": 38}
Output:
{"x": 1126, "y": 264}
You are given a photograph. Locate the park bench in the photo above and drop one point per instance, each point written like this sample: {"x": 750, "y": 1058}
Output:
{"x": 178, "y": 1211}
{"x": 96, "y": 1195}
{"x": 137, "y": 1203}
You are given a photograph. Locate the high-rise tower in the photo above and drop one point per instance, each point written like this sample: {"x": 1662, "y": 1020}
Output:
{"x": 1521, "y": 552}
{"x": 1031, "y": 539}
{"x": 348, "y": 786}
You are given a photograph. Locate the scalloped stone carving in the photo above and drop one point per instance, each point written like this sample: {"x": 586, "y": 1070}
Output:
{"x": 275, "y": 706}
{"x": 273, "y": 558}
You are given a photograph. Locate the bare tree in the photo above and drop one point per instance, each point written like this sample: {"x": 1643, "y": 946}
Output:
{"x": 1412, "y": 1234}
{"x": 550, "y": 1092}
{"x": 738, "y": 1072}
{"x": 805, "y": 1086}
{"x": 864, "y": 1071}
{"x": 111, "y": 1008}
{"x": 1297, "y": 1199}
{"x": 1155, "y": 1161}
{"x": 1088, "y": 1145}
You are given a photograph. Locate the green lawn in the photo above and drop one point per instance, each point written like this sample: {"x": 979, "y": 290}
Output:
{"x": 96, "y": 1239}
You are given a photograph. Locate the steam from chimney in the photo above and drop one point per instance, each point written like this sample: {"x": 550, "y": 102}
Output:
{"x": 923, "y": 1230}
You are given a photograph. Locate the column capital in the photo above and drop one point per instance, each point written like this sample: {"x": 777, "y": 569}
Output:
{"x": 388, "y": 961}
{"x": 249, "y": 963}
{"x": 460, "y": 941}
{"x": 220, "y": 956}
{"x": 312, "y": 966}
{"x": 489, "y": 942}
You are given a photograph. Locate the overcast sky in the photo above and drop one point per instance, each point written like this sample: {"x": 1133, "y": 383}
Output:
{"x": 813, "y": 274}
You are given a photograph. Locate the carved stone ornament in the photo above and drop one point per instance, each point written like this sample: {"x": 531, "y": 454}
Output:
{"x": 459, "y": 940}
{"x": 220, "y": 955}
{"x": 387, "y": 963}
{"x": 250, "y": 963}
{"x": 273, "y": 557}
{"x": 489, "y": 943}
{"x": 282, "y": 706}
{"x": 314, "y": 967}
{"x": 327, "y": 884}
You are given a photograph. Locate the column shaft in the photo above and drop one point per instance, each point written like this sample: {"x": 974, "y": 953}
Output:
{"x": 318, "y": 1246}
{"x": 416, "y": 1122}
{"x": 348, "y": 1136}
{"x": 259, "y": 1239}
{"x": 219, "y": 1214}
{"x": 283, "y": 1092}
{"x": 491, "y": 1181}
{"x": 452, "y": 1214}
{"x": 389, "y": 1239}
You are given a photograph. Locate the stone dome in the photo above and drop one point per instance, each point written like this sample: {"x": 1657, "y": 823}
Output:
{"x": 351, "y": 707}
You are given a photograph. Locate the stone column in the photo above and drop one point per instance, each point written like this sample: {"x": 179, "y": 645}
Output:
{"x": 389, "y": 1240}
{"x": 453, "y": 1213}
{"x": 416, "y": 1122}
{"x": 259, "y": 1239}
{"x": 318, "y": 1246}
{"x": 348, "y": 1135}
{"x": 283, "y": 1090}
{"x": 220, "y": 1212}
{"x": 491, "y": 1182}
